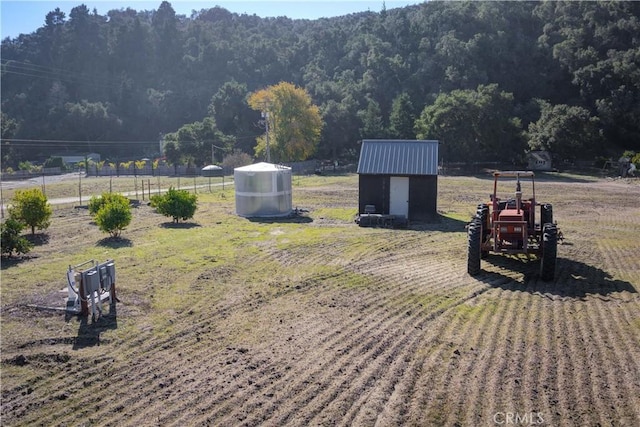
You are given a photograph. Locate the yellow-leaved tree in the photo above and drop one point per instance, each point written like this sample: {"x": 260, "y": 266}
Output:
{"x": 293, "y": 123}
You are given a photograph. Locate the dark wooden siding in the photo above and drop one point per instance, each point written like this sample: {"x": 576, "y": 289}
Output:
{"x": 374, "y": 190}
{"x": 423, "y": 195}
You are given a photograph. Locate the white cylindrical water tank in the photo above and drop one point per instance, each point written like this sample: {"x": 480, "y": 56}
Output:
{"x": 262, "y": 190}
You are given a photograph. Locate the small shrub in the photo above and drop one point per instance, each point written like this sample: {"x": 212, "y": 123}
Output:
{"x": 177, "y": 204}
{"x": 26, "y": 166}
{"x": 114, "y": 216}
{"x": 31, "y": 208}
{"x": 12, "y": 241}
{"x": 97, "y": 202}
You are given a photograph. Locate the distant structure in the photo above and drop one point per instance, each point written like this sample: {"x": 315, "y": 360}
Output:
{"x": 399, "y": 177}
{"x": 539, "y": 161}
{"x": 263, "y": 190}
{"x": 77, "y": 158}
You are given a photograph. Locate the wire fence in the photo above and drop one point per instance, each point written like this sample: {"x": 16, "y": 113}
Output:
{"x": 138, "y": 184}
{"x": 76, "y": 189}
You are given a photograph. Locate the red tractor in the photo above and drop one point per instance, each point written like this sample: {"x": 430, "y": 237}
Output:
{"x": 509, "y": 225}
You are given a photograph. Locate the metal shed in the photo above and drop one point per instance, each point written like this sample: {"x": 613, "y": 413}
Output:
{"x": 399, "y": 177}
{"x": 539, "y": 160}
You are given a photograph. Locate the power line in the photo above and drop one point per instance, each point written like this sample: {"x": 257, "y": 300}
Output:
{"x": 49, "y": 142}
{"x": 40, "y": 71}
{"x": 67, "y": 141}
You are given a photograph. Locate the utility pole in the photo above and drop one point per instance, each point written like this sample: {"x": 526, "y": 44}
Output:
{"x": 213, "y": 157}
{"x": 265, "y": 116}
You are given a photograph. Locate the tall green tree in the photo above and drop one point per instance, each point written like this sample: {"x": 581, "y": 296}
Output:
{"x": 402, "y": 119}
{"x": 372, "y": 121}
{"x": 194, "y": 143}
{"x": 473, "y": 125}
{"x": 597, "y": 43}
{"x": 568, "y": 132}
{"x": 167, "y": 43}
{"x": 171, "y": 152}
{"x": 233, "y": 115}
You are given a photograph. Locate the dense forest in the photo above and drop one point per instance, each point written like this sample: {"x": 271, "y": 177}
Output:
{"x": 491, "y": 80}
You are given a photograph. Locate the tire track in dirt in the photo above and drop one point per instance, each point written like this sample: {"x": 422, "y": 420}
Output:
{"x": 356, "y": 409}
{"x": 482, "y": 362}
{"x": 564, "y": 383}
{"x": 573, "y": 378}
{"x": 486, "y": 384}
{"x": 397, "y": 315}
{"x": 65, "y": 384}
{"x": 590, "y": 378}
{"x": 545, "y": 386}
{"x": 475, "y": 326}
{"x": 148, "y": 370}
{"x": 624, "y": 376}
{"x": 530, "y": 370}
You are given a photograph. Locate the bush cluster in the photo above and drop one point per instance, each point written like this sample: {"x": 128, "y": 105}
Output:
{"x": 29, "y": 208}
{"x": 112, "y": 212}
{"x": 11, "y": 239}
{"x": 177, "y": 204}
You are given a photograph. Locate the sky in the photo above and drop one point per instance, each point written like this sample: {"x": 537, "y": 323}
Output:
{"x": 26, "y": 16}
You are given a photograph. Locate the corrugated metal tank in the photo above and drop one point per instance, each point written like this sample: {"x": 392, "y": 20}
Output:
{"x": 263, "y": 190}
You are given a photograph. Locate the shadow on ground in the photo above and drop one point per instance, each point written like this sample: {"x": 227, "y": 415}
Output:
{"x": 439, "y": 223}
{"x": 89, "y": 331}
{"x": 291, "y": 219}
{"x": 8, "y": 262}
{"x": 115, "y": 242}
{"x": 573, "y": 279}
{"x": 179, "y": 225}
{"x": 435, "y": 223}
{"x": 38, "y": 239}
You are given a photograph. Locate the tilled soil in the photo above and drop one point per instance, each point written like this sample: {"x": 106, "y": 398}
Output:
{"x": 376, "y": 327}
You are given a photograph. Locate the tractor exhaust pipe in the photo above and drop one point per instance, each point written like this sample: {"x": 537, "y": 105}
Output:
{"x": 518, "y": 194}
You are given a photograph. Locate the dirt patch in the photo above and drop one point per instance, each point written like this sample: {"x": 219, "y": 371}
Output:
{"x": 325, "y": 323}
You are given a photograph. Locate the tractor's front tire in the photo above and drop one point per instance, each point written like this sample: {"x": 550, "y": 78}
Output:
{"x": 549, "y": 252}
{"x": 474, "y": 235}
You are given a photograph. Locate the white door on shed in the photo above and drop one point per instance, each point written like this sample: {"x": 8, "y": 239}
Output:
{"x": 399, "y": 196}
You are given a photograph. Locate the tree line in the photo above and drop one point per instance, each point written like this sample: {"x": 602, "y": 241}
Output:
{"x": 491, "y": 80}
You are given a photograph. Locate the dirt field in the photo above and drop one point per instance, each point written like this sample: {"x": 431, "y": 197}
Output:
{"x": 314, "y": 321}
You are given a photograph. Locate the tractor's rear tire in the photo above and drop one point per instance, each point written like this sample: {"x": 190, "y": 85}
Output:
{"x": 549, "y": 252}
{"x": 546, "y": 214}
{"x": 483, "y": 213}
{"x": 474, "y": 235}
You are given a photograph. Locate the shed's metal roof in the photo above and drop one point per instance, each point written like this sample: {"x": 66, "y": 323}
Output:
{"x": 398, "y": 157}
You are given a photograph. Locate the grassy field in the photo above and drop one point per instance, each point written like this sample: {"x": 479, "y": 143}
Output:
{"x": 313, "y": 320}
